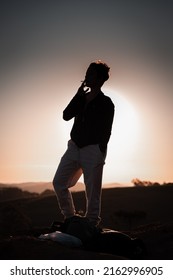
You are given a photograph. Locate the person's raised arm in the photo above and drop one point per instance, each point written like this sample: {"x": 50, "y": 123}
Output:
{"x": 75, "y": 104}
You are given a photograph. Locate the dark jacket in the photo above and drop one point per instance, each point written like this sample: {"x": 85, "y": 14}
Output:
{"x": 93, "y": 122}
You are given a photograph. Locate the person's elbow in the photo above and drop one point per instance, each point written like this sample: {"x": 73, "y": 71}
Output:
{"x": 66, "y": 116}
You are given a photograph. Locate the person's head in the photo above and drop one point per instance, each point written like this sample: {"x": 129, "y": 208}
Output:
{"x": 96, "y": 74}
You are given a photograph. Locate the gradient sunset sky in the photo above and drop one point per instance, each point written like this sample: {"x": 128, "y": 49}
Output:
{"x": 46, "y": 47}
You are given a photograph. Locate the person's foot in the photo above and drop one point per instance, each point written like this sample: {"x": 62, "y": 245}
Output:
{"x": 68, "y": 219}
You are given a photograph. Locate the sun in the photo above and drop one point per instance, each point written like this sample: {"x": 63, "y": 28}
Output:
{"x": 126, "y": 121}
{"x": 124, "y": 138}
{"x": 125, "y": 126}
{"x": 123, "y": 146}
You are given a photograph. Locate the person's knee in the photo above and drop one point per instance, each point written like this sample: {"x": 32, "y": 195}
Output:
{"x": 59, "y": 185}
{"x": 56, "y": 184}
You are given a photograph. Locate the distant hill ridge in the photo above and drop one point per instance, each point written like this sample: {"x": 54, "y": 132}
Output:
{"x": 39, "y": 187}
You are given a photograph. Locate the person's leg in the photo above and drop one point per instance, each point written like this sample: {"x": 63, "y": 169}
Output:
{"x": 66, "y": 176}
{"x": 92, "y": 161}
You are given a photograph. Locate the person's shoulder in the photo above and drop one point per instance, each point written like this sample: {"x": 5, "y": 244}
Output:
{"x": 107, "y": 99}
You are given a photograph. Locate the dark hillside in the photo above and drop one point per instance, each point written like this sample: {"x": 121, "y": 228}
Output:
{"x": 144, "y": 212}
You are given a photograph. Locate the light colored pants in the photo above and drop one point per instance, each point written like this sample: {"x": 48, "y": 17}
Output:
{"x": 88, "y": 160}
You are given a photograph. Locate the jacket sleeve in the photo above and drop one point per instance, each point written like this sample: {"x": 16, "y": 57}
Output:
{"x": 73, "y": 107}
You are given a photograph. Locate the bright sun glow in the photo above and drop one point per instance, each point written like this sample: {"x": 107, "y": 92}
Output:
{"x": 124, "y": 138}
{"x": 123, "y": 142}
{"x": 126, "y": 123}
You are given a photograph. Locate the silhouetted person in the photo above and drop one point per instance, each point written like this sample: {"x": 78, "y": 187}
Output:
{"x": 93, "y": 114}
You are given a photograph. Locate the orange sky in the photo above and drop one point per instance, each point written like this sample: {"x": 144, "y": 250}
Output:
{"x": 46, "y": 60}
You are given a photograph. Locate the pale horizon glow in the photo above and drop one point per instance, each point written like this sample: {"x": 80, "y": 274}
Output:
{"x": 35, "y": 135}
